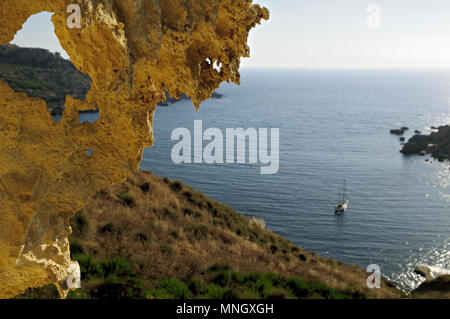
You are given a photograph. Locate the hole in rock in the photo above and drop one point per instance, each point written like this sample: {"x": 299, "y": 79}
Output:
{"x": 90, "y": 116}
{"x": 88, "y": 153}
{"x": 217, "y": 66}
{"x": 35, "y": 63}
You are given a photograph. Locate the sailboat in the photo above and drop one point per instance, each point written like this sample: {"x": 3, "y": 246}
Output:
{"x": 342, "y": 206}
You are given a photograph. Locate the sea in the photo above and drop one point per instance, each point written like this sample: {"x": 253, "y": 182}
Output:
{"x": 333, "y": 125}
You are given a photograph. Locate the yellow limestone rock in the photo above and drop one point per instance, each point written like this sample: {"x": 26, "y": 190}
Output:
{"x": 132, "y": 50}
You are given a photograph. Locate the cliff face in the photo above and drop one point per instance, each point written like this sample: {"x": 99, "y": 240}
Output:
{"x": 133, "y": 51}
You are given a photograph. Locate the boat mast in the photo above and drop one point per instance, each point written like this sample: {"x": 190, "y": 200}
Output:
{"x": 343, "y": 192}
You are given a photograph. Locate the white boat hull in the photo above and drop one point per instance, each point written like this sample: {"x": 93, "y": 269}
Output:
{"x": 341, "y": 208}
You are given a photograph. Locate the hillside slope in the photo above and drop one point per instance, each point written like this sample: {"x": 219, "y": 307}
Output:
{"x": 40, "y": 73}
{"x": 167, "y": 234}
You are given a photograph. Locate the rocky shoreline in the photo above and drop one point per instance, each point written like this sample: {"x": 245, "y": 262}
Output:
{"x": 437, "y": 144}
{"x": 436, "y": 285}
{"x": 170, "y": 100}
{"x": 435, "y": 288}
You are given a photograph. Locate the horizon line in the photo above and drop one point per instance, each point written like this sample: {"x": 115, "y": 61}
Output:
{"x": 308, "y": 68}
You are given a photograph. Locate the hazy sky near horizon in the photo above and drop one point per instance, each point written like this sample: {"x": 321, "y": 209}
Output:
{"x": 327, "y": 34}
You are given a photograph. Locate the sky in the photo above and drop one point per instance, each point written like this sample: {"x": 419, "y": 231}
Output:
{"x": 38, "y": 32}
{"x": 328, "y": 34}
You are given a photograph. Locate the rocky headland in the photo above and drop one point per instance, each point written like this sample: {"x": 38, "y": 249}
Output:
{"x": 436, "y": 285}
{"x": 437, "y": 144}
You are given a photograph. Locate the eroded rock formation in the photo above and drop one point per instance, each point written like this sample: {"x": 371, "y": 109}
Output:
{"x": 133, "y": 50}
{"x": 437, "y": 144}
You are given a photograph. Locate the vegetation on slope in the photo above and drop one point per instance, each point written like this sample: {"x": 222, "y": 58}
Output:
{"x": 157, "y": 238}
{"x": 40, "y": 73}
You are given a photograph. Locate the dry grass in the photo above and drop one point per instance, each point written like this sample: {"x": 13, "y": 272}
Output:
{"x": 166, "y": 229}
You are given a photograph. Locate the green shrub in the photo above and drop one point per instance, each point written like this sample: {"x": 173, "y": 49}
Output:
{"x": 299, "y": 288}
{"x": 79, "y": 224}
{"x": 188, "y": 195}
{"x": 78, "y": 294}
{"x": 356, "y": 295}
{"x": 277, "y": 293}
{"x": 89, "y": 268}
{"x": 324, "y": 291}
{"x": 273, "y": 249}
{"x": 166, "y": 249}
{"x": 76, "y": 247}
{"x": 193, "y": 213}
{"x": 111, "y": 228}
{"x": 251, "y": 277}
{"x": 127, "y": 199}
{"x": 120, "y": 288}
{"x": 225, "y": 277}
{"x": 199, "y": 232}
{"x": 209, "y": 205}
{"x": 262, "y": 287}
{"x": 116, "y": 266}
{"x": 175, "y": 288}
{"x": 214, "y": 291}
{"x": 218, "y": 267}
{"x": 46, "y": 292}
{"x": 274, "y": 279}
{"x": 246, "y": 294}
{"x": 195, "y": 286}
{"x": 141, "y": 236}
{"x": 176, "y": 186}
{"x": 158, "y": 294}
{"x": 166, "y": 213}
{"x": 145, "y": 187}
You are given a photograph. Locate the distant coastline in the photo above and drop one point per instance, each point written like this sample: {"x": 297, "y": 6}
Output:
{"x": 170, "y": 100}
{"x": 42, "y": 74}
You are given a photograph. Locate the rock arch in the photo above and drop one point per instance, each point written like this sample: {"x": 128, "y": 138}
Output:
{"x": 132, "y": 50}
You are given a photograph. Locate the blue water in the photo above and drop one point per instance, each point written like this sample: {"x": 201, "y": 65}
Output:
{"x": 333, "y": 125}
